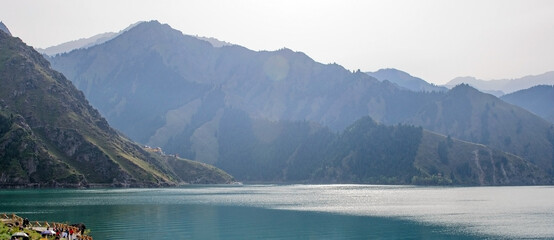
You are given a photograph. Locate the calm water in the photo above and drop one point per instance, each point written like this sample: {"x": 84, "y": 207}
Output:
{"x": 296, "y": 211}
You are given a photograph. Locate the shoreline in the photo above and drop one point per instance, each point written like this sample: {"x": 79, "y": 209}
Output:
{"x": 36, "y": 229}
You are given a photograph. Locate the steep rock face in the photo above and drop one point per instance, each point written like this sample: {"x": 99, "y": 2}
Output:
{"x": 51, "y": 135}
{"x": 25, "y": 161}
{"x": 470, "y": 115}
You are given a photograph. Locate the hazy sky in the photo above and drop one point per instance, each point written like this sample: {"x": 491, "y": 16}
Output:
{"x": 435, "y": 40}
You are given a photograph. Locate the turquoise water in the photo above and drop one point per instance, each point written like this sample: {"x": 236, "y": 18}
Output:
{"x": 295, "y": 211}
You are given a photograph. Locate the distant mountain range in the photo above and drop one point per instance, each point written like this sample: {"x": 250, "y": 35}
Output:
{"x": 504, "y": 86}
{"x": 80, "y": 43}
{"x": 261, "y": 116}
{"x": 83, "y": 42}
{"x": 538, "y": 100}
{"x": 50, "y": 136}
{"x": 405, "y": 80}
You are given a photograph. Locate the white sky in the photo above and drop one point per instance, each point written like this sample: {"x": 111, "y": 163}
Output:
{"x": 436, "y": 40}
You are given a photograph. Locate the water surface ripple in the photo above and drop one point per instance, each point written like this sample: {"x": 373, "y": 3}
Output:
{"x": 296, "y": 211}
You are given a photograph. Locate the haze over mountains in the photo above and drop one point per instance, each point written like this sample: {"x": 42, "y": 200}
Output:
{"x": 76, "y": 44}
{"x": 50, "y": 135}
{"x": 264, "y": 115}
{"x": 505, "y": 86}
{"x": 405, "y": 80}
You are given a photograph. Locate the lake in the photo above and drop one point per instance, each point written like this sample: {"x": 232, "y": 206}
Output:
{"x": 295, "y": 211}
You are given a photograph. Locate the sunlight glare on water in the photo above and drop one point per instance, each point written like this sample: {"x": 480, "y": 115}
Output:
{"x": 501, "y": 211}
{"x": 493, "y": 212}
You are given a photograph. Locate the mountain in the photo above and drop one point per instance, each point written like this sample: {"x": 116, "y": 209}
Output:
{"x": 163, "y": 88}
{"x": 467, "y": 114}
{"x": 505, "y": 86}
{"x": 405, "y": 80}
{"x": 256, "y": 114}
{"x": 51, "y": 136}
{"x": 537, "y": 100}
{"x": 4, "y": 29}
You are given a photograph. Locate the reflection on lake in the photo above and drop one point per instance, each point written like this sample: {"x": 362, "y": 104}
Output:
{"x": 295, "y": 211}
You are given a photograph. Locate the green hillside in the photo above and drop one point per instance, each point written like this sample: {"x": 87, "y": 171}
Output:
{"x": 52, "y": 136}
{"x": 445, "y": 160}
{"x": 467, "y": 114}
{"x": 366, "y": 152}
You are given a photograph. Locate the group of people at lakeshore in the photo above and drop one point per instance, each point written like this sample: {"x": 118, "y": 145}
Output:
{"x": 46, "y": 231}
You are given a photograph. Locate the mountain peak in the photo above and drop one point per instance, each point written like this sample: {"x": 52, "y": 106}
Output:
{"x": 150, "y": 25}
{"x": 466, "y": 89}
{"x": 463, "y": 87}
{"x": 4, "y": 28}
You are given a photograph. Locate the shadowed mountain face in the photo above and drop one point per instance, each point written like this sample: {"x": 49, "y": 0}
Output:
{"x": 51, "y": 136}
{"x": 81, "y": 43}
{"x": 252, "y": 113}
{"x": 405, "y": 80}
{"x": 538, "y": 100}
